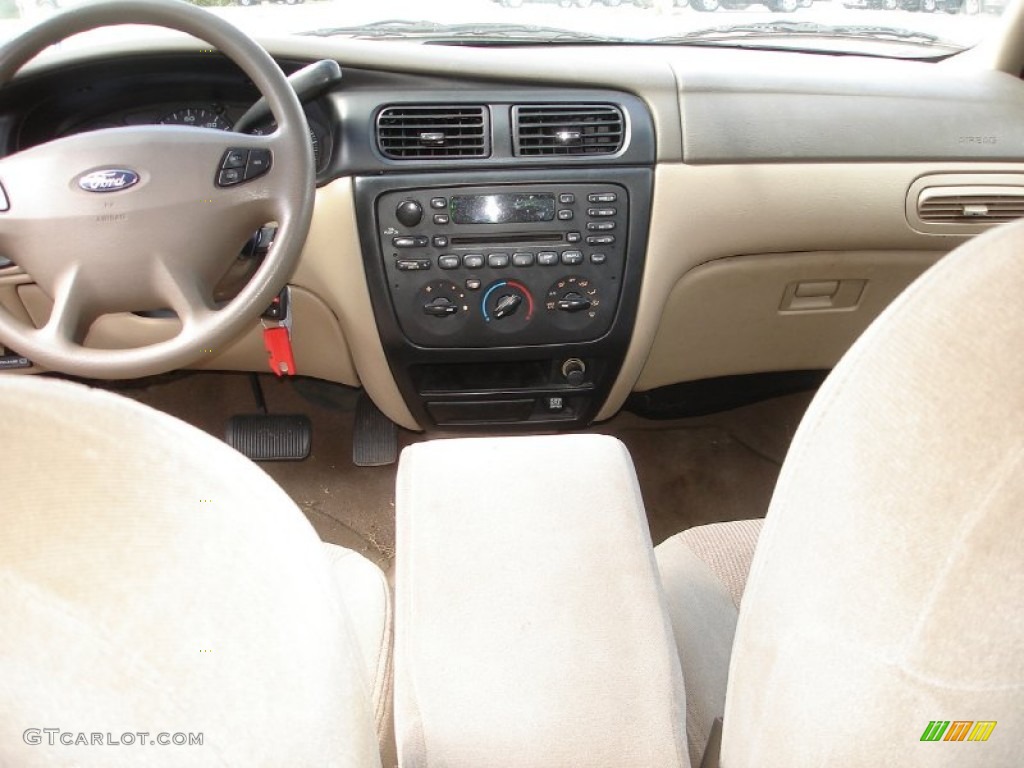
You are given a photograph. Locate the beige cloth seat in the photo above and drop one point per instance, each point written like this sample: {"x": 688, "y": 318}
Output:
{"x": 152, "y": 580}
{"x": 885, "y": 590}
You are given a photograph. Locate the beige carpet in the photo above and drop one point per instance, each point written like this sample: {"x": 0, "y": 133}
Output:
{"x": 691, "y": 471}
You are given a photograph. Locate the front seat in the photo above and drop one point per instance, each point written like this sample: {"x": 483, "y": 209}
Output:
{"x": 882, "y": 606}
{"x": 164, "y": 602}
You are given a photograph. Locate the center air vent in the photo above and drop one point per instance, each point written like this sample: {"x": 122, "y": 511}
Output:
{"x": 567, "y": 129}
{"x": 418, "y": 132}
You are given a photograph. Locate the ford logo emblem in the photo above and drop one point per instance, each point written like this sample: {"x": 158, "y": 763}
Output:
{"x": 108, "y": 180}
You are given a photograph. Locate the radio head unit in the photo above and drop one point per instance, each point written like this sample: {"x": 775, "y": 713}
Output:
{"x": 487, "y": 266}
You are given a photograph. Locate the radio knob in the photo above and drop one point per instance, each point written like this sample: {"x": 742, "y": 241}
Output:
{"x": 409, "y": 213}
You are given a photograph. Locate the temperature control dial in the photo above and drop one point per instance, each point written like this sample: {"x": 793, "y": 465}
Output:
{"x": 441, "y": 307}
{"x": 507, "y": 305}
{"x": 573, "y": 302}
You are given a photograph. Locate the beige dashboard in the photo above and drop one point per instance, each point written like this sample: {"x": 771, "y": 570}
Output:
{"x": 753, "y": 263}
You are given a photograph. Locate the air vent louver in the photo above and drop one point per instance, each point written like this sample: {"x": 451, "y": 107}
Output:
{"x": 431, "y": 131}
{"x": 970, "y": 205}
{"x": 567, "y": 129}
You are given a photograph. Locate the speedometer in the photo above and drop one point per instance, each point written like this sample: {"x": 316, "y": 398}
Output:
{"x": 201, "y": 118}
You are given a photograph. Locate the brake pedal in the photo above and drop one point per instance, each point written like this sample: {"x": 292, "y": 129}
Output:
{"x": 374, "y": 437}
{"x": 263, "y": 437}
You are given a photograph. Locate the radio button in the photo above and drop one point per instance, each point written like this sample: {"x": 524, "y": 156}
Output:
{"x": 601, "y": 240}
{"x": 497, "y": 260}
{"x": 573, "y": 237}
{"x": 600, "y": 213}
{"x": 572, "y": 258}
{"x": 600, "y": 226}
{"x": 420, "y": 241}
{"x": 524, "y": 259}
{"x": 565, "y": 214}
{"x": 547, "y": 258}
{"x": 567, "y": 198}
{"x": 412, "y": 265}
{"x": 472, "y": 261}
{"x": 440, "y": 241}
{"x": 441, "y": 218}
{"x": 448, "y": 261}
{"x": 603, "y": 197}
{"x": 598, "y": 258}
{"x": 439, "y": 203}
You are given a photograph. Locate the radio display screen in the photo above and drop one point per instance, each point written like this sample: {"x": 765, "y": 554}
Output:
{"x": 502, "y": 208}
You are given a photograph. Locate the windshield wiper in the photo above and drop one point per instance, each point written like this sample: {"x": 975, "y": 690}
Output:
{"x": 397, "y": 29}
{"x": 781, "y": 29}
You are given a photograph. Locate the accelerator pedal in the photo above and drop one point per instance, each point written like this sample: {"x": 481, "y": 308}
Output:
{"x": 264, "y": 437}
{"x": 374, "y": 437}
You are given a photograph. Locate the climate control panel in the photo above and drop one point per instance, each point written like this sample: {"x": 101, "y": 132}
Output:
{"x": 500, "y": 265}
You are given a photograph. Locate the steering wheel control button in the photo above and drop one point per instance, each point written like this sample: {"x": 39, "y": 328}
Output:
{"x": 235, "y": 158}
{"x": 259, "y": 163}
{"x": 230, "y": 176}
{"x": 473, "y": 261}
{"x": 448, "y": 261}
{"x": 547, "y": 258}
{"x": 497, "y": 260}
{"x": 409, "y": 213}
{"x": 240, "y": 165}
{"x": 524, "y": 259}
{"x": 572, "y": 258}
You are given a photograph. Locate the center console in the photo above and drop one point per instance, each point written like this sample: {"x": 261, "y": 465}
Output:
{"x": 505, "y": 299}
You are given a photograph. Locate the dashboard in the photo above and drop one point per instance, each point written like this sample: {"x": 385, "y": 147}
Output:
{"x": 507, "y": 241}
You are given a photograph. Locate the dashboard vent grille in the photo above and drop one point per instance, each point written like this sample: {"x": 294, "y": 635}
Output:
{"x": 567, "y": 129}
{"x": 423, "y": 132}
{"x": 991, "y": 205}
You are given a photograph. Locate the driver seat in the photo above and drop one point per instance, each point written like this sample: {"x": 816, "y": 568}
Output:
{"x": 156, "y": 585}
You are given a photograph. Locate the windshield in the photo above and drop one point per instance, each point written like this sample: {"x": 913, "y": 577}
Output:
{"x": 897, "y": 28}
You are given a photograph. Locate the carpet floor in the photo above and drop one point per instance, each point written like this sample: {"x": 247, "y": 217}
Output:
{"x": 691, "y": 471}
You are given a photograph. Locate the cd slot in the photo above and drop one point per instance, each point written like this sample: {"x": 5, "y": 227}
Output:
{"x": 507, "y": 237}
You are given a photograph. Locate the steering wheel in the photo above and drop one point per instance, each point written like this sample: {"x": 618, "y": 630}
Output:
{"x": 142, "y": 218}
